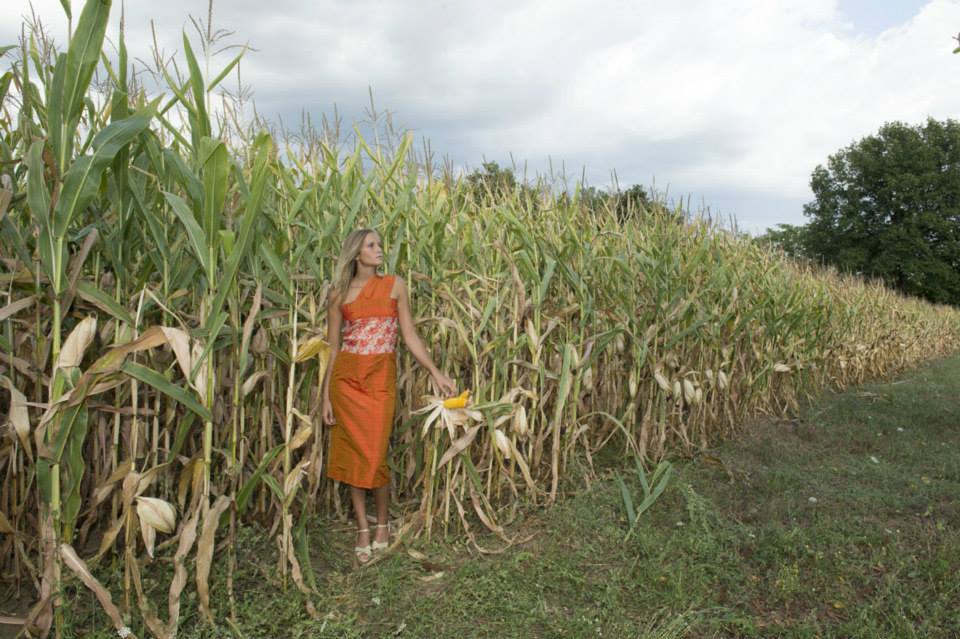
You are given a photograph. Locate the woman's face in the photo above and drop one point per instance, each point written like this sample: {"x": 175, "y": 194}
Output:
{"x": 371, "y": 251}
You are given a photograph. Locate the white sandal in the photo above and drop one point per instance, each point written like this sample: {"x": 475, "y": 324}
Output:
{"x": 381, "y": 545}
{"x": 363, "y": 553}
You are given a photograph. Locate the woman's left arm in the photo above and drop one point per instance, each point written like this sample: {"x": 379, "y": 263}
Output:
{"x": 414, "y": 343}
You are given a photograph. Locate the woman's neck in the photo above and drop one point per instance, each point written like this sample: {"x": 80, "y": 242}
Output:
{"x": 364, "y": 273}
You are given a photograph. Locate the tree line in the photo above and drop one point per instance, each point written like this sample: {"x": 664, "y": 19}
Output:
{"x": 492, "y": 180}
{"x": 888, "y": 206}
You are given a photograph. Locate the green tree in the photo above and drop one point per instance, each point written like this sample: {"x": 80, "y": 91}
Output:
{"x": 634, "y": 201}
{"x": 492, "y": 179}
{"x": 888, "y": 206}
{"x": 788, "y": 237}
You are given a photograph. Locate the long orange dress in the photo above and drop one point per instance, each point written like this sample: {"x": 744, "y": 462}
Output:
{"x": 363, "y": 387}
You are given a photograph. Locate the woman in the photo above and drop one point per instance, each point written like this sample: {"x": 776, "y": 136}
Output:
{"x": 360, "y": 387}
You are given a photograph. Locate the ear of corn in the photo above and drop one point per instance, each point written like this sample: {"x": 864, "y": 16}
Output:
{"x": 457, "y": 402}
{"x": 167, "y": 309}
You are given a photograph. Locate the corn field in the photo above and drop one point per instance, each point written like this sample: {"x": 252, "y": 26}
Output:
{"x": 162, "y": 300}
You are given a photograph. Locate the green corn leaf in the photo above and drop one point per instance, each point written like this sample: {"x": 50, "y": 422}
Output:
{"x": 104, "y": 302}
{"x": 399, "y": 158}
{"x": 64, "y": 423}
{"x": 174, "y": 131}
{"x": 357, "y": 199}
{"x": 258, "y": 187}
{"x": 299, "y": 202}
{"x": 198, "y": 240}
{"x": 45, "y": 479}
{"x": 472, "y": 473}
{"x": 274, "y": 485}
{"x": 227, "y": 240}
{"x": 642, "y": 476}
{"x": 82, "y": 181}
{"x": 657, "y": 490}
{"x": 73, "y": 468}
{"x": 302, "y": 548}
{"x": 56, "y": 119}
{"x": 171, "y": 390}
{"x": 215, "y": 170}
{"x": 5, "y": 81}
{"x": 547, "y": 277}
{"x": 183, "y": 429}
{"x": 153, "y": 224}
{"x": 38, "y": 200}
{"x": 659, "y": 481}
{"x": 488, "y": 309}
{"x": 566, "y": 381}
{"x": 178, "y": 170}
{"x": 38, "y": 195}
{"x": 276, "y": 265}
{"x": 11, "y": 238}
{"x": 201, "y": 121}
{"x": 627, "y": 500}
{"x": 226, "y": 70}
{"x": 243, "y": 495}
{"x": 661, "y": 473}
{"x": 214, "y": 326}
{"x": 82, "y": 57}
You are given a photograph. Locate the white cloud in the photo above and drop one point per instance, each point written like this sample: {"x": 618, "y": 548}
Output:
{"x": 738, "y": 99}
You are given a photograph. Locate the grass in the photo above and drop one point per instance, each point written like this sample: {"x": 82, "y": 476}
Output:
{"x": 842, "y": 523}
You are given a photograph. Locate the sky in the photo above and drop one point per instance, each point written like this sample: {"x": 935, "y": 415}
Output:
{"x": 728, "y": 104}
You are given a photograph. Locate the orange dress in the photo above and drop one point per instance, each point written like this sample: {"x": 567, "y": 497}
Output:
{"x": 363, "y": 387}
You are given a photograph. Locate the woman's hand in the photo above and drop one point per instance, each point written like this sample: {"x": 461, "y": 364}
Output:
{"x": 328, "y": 418}
{"x": 444, "y": 384}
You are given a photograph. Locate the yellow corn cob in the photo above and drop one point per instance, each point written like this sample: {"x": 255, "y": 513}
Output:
{"x": 457, "y": 402}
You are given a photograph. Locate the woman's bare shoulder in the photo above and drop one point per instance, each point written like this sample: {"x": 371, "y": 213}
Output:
{"x": 333, "y": 297}
{"x": 399, "y": 286}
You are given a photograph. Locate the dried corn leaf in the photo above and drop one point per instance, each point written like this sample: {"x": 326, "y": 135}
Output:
{"x": 296, "y": 572}
{"x": 205, "y": 553}
{"x": 459, "y": 445}
{"x": 250, "y": 383}
{"x": 79, "y": 568}
{"x": 292, "y": 482}
{"x": 188, "y": 535}
{"x": 15, "y": 307}
{"x": 200, "y": 381}
{"x": 179, "y": 343}
{"x": 300, "y": 437}
{"x": 416, "y": 554}
{"x": 105, "y": 489}
{"x": 77, "y": 342}
{"x": 149, "y": 534}
{"x": 18, "y": 415}
{"x": 150, "y": 618}
{"x": 314, "y": 346}
{"x": 432, "y": 577}
{"x": 6, "y": 528}
{"x": 248, "y": 326}
{"x": 106, "y": 365}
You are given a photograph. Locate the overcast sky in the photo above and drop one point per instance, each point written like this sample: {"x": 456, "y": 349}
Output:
{"x": 730, "y": 102}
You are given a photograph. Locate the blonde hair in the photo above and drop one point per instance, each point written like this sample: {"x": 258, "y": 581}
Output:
{"x": 346, "y": 268}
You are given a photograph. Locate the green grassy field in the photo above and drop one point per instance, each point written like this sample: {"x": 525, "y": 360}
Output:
{"x": 843, "y": 523}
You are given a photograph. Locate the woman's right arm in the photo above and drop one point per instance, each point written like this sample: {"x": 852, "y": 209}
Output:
{"x": 334, "y": 320}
